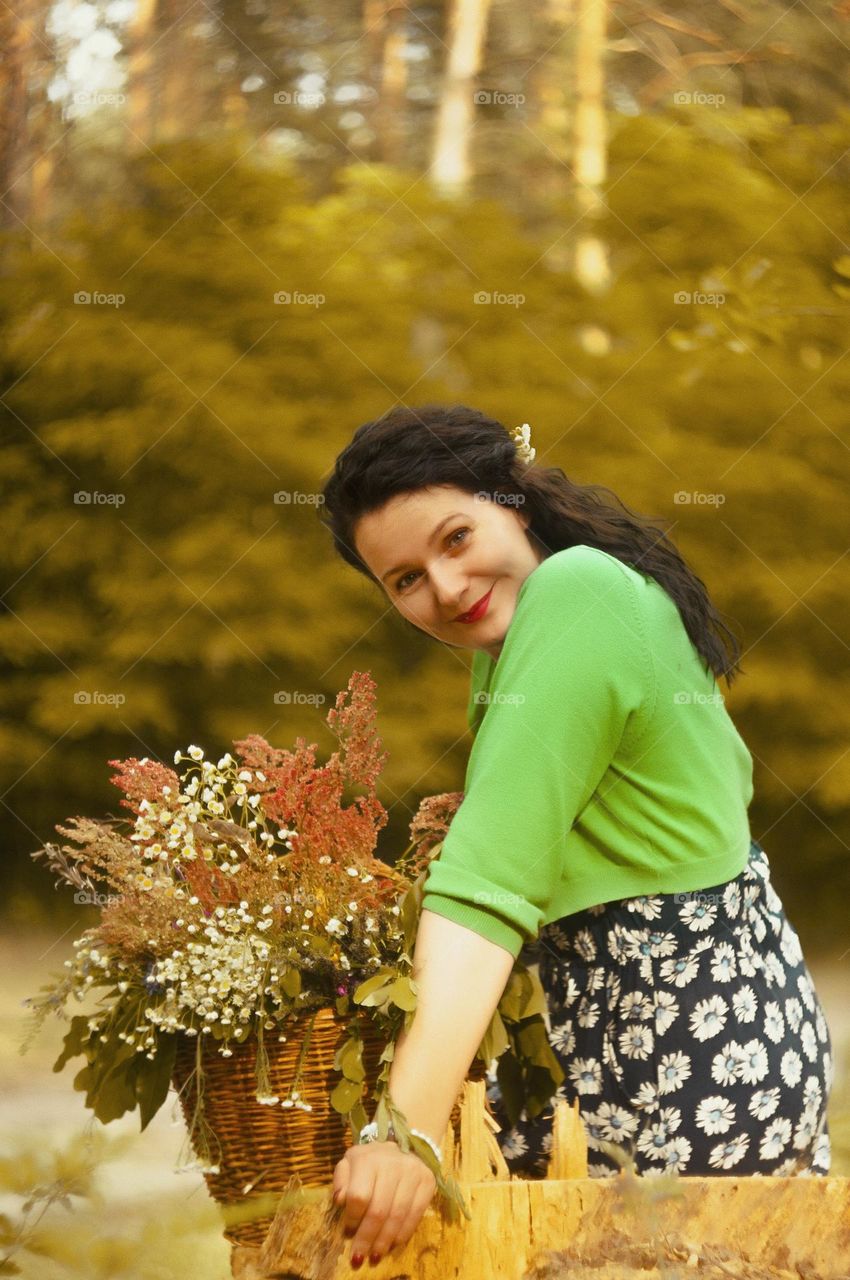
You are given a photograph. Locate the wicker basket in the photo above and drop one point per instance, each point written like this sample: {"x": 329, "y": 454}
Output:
{"x": 262, "y": 1146}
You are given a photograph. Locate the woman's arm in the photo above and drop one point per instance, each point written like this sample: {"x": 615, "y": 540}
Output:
{"x": 460, "y": 977}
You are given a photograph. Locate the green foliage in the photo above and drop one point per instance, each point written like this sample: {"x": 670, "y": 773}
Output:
{"x": 200, "y": 398}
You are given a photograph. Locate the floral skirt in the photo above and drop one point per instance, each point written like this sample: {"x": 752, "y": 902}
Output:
{"x": 689, "y": 1030}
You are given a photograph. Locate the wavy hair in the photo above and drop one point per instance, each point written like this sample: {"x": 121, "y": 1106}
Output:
{"x": 409, "y": 449}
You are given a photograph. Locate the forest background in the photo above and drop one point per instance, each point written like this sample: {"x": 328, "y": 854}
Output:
{"x": 233, "y": 232}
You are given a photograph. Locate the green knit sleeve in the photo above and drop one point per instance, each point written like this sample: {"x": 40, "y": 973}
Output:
{"x": 572, "y": 679}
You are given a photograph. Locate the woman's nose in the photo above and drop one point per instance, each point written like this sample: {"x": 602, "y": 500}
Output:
{"x": 448, "y": 592}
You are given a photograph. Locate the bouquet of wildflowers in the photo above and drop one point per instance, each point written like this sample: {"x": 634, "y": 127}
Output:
{"x": 242, "y": 895}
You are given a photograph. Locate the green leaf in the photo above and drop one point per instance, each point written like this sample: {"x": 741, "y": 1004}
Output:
{"x": 291, "y": 982}
{"x": 346, "y": 1094}
{"x": 402, "y": 993}
{"x": 74, "y": 1042}
{"x": 366, "y": 992}
{"x": 349, "y": 1059}
{"x": 154, "y": 1077}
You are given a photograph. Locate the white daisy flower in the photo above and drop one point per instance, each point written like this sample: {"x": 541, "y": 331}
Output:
{"x": 585, "y": 945}
{"x": 563, "y": 1038}
{"x": 616, "y": 1122}
{"x": 754, "y": 1066}
{"x": 727, "y": 1065}
{"x": 636, "y": 1042}
{"x": 649, "y": 908}
{"x": 586, "y": 1075}
{"x": 673, "y": 1070}
{"x": 677, "y": 1153}
{"x": 698, "y": 914}
{"x": 759, "y": 928}
{"x": 745, "y": 1004}
{"x": 807, "y": 995}
{"x": 723, "y": 964}
{"x": 646, "y": 1098}
{"x": 571, "y": 992}
{"x": 820, "y": 1023}
{"x": 708, "y": 1017}
{"x": 635, "y": 1005}
{"x": 666, "y": 1011}
{"x": 821, "y": 1157}
{"x": 763, "y": 1103}
{"x": 587, "y": 1014}
{"x": 791, "y": 1067}
{"x": 715, "y": 1114}
{"x": 680, "y": 972}
{"x": 655, "y": 1137}
{"x": 807, "y": 1127}
{"x": 732, "y": 899}
{"x": 513, "y": 1145}
{"x": 789, "y": 943}
{"x": 596, "y": 979}
{"x": 812, "y": 1094}
{"x": 774, "y": 970}
{"x": 808, "y": 1041}
{"x": 776, "y": 1138}
{"x": 794, "y": 1013}
{"x": 774, "y": 1022}
{"x": 727, "y": 1154}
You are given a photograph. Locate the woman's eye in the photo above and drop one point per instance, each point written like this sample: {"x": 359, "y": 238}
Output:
{"x": 451, "y": 541}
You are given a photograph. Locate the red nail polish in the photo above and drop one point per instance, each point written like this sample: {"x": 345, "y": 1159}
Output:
{"x": 357, "y": 1260}
{"x": 374, "y": 1258}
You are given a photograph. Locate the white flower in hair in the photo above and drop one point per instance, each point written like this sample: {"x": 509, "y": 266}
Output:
{"x": 522, "y": 440}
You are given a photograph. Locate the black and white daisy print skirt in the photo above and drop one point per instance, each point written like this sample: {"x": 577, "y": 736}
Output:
{"x": 688, "y": 1027}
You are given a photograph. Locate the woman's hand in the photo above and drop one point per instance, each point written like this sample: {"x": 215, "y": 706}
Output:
{"x": 385, "y": 1192}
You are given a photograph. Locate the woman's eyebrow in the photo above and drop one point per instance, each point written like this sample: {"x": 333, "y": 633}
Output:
{"x": 434, "y": 533}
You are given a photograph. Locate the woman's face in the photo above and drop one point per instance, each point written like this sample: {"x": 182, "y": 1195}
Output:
{"x": 438, "y": 551}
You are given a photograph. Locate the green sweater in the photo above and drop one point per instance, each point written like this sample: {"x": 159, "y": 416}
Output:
{"x": 604, "y": 764}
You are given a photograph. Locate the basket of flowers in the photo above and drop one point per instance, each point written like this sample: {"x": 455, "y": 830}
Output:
{"x": 253, "y": 953}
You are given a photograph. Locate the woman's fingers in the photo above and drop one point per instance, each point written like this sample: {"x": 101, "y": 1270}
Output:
{"x": 421, "y": 1200}
{"x": 381, "y": 1224}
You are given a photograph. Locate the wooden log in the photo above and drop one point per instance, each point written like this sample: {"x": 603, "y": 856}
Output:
{"x": 574, "y": 1226}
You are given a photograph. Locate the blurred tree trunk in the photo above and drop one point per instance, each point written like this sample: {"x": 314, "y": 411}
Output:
{"x": 28, "y": 122}
{"x": 550, "y": 91}
{"x": 385, "y": 28}
{"x": 450, "y": 167}
{"x": 141, "y": 72}
{"x": 590, "y": 143}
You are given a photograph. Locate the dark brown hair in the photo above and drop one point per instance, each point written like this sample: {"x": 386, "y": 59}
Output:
{"x": 409, "y": 449}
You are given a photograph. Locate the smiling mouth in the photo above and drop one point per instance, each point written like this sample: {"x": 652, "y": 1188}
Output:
{"x": 478, "y": 609}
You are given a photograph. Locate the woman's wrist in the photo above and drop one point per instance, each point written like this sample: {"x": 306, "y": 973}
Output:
{"x": 369, "y": 1133}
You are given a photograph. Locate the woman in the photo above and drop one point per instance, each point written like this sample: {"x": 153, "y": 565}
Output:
{"x": 603, "y": 827}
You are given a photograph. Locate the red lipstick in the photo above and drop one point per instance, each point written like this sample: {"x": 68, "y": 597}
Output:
{"x": 478, "y": 610}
